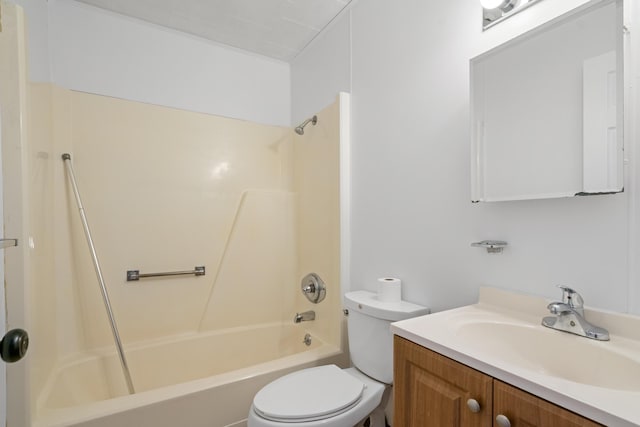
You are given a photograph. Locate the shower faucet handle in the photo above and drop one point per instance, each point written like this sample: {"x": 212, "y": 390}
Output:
{"x": 313, "y": 287}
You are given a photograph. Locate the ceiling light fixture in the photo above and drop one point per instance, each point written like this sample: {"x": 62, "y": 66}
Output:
{"x": 494, "y": 11}
{"x": 503, "y": 5}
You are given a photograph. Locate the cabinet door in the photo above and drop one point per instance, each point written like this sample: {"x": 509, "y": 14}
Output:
{"x": 525, "y": 410}
{"x": 433, "y": 390}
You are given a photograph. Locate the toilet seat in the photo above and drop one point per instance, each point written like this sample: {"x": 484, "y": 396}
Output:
{"x": 371, "y": 397}
{"x": 309, "y": 395}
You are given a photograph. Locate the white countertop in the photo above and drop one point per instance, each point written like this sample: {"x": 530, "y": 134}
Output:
{"x": 609, "y": 392}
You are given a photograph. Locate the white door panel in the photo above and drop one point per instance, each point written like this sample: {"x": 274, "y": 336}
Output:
{"x": 3, "y": 314}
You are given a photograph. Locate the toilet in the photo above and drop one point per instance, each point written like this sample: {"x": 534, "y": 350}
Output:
{"x": 328, "y": 396}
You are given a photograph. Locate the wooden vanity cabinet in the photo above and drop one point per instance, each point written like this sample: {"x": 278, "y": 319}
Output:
{"x": 524, "y": 409}
{"x": 433, "y": 390}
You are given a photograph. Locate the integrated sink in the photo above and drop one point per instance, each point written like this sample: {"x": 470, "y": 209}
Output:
{"x": 554, "y": 353}
{"x": 502, "y": 336}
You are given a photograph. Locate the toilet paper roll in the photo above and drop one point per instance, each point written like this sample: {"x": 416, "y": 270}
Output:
{"x": 389, "y": 289}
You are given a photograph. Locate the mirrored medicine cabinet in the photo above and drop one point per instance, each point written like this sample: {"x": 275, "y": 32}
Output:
{"x": 547, "y": 110}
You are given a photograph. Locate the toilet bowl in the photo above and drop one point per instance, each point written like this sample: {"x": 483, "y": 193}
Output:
{"x": 328, "y": 396}
{"x": 324, "y": 396}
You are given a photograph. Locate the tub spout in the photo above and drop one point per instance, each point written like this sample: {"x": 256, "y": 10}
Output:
{"x": 303, "y": 317}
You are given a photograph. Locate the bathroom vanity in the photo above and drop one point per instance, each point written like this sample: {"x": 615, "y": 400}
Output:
{"x": 429, "y": 386}
{"x": 494, "y": 364}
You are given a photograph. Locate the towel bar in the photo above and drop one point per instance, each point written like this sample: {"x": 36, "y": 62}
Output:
{"x": 133, "y": 275}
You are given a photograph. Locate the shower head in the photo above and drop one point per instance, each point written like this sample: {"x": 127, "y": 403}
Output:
{"x": 300, "y": 129}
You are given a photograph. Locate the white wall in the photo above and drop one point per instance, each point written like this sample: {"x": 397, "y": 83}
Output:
{"x": 406, "y": 64}
{"x": 411, "y": 210}
{"x": 84, "y": 48}
{"x": 315, "y": 81}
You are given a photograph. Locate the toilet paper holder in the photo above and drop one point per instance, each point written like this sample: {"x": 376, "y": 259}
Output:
{"x": 313, "y": 288}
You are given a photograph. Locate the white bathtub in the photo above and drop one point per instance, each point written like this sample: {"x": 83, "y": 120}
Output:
{"x": 194, "y": 380}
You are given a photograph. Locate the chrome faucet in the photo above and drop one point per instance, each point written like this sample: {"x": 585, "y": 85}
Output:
{"x": 569, "y": 317}
{"x": 305, "y": 316}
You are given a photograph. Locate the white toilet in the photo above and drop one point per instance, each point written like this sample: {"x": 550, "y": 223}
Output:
{"x": 328, "y": 396}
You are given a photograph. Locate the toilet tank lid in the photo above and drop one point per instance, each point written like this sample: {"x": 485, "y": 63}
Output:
{"x": 367, "y": 303}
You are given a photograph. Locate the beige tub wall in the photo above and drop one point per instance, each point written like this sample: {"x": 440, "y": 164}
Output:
{"x": 44, "y": 344}
{"x": 159, "y": 197}
{"x": 56, "y": 307}
{"x": 317, "y": 183}
{"x": 258, "y": 264}
{"x": 162, "y": 189}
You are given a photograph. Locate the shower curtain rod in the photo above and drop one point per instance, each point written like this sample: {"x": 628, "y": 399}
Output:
{"x": 66, "y": 158}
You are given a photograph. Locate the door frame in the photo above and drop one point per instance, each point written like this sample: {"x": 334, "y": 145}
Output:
{"x": 13, "y": 105}
{"x": 3, "y": 314}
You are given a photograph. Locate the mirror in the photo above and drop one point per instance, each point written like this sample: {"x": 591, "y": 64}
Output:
{"x": 547, "y": 110}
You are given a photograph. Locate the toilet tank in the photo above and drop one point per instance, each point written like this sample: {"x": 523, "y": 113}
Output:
{"x": 369, "y": 333}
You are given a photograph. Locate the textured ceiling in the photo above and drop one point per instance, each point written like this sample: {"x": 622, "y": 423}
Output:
{"x": 278, "y": 29}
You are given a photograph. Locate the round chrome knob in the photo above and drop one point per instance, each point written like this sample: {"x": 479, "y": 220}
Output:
{"x": 313, "y": 288}
{"x": 473, "y": 405}
{"x": 503, "y": 421}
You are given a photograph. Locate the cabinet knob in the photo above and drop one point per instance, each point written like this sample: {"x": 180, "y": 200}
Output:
{"x": 473, "y": 405}
{"x": 503, "y": 421}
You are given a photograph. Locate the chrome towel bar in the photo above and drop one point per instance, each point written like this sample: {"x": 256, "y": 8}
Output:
{"x": 133, "y": 275}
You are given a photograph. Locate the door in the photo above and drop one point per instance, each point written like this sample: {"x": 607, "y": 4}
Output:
{"x": 3, "y": 315}
{"x": 13, "y": 89}
{"x": 519, "y": 408}
{"x": 432, "y": 390}
{"x": 602, "y": 143}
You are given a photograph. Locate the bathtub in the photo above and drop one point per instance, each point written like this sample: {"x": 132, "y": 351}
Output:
{"x": 193, "y": 380}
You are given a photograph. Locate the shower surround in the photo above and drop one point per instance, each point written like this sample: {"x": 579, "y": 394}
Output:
{"x": 163, "y": 190}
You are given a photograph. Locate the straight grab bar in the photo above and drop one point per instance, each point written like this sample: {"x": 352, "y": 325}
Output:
{"x": 66, "y": 158}
{"x": 133, "y": 275}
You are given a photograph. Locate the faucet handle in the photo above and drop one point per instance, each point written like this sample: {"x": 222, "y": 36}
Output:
{"x": 572, "y": 299}
{"x": 566, "y": 292}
